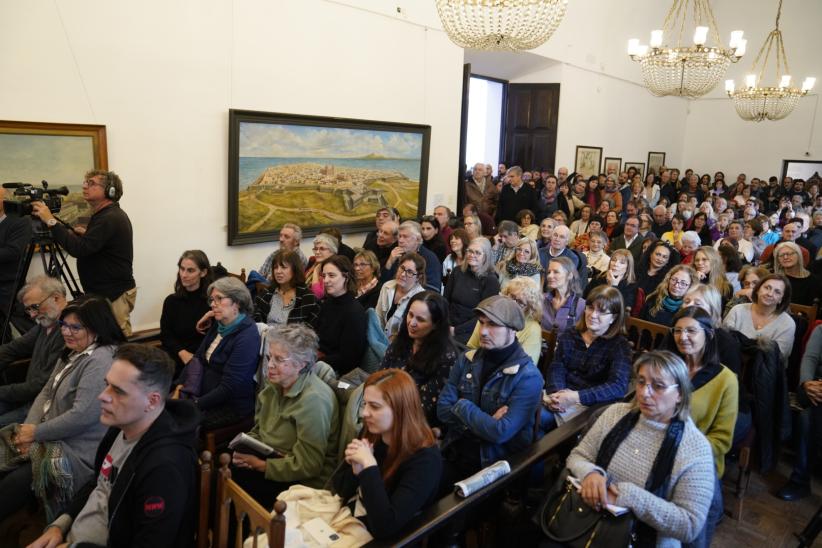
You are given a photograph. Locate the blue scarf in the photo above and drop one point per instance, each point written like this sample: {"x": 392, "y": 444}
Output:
{"x": 671, "y": 304}
{"x": 226, "y": 330}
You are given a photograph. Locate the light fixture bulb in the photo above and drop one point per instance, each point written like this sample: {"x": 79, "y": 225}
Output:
{"x": 700, "y": 36}
{"x": 730, "y": 86}
{"x": 736, "y": 37}
{"x": 656, "y": 38}
{"x": 785, "y": 82}
{"x": 633, "y": 46}
{"x": 750, "y": 81}
{"x": 741, "y": 48}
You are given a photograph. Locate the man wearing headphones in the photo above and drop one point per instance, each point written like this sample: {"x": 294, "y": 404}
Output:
{"x": 104, "y": 249}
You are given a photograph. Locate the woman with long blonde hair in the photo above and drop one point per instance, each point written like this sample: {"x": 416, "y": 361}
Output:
{"x": 667, "y": 298}
{"x": 393, "y": 470}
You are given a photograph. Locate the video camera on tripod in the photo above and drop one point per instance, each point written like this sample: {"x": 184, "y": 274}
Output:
{"x": 52, "y": 197}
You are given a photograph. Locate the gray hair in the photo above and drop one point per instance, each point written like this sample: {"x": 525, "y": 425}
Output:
{"x": 235, "y": 290}
{"x": 691, "y": 236}
{"x": 476, "y": 220}
{"x": 507, "y": 227}
{"x": 487, "y": 265}
{"x": 46, "y": 284}
{"x": 665, "y": 361}
{"x": 412, "y": 226}
{"x": 328, "y": 240}
{"x": 514, "y": 170}
{"x": 298, "y": 232}
{"x": 298, "y": 340}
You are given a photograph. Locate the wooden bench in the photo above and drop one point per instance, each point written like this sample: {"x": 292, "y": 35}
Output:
{"x": 644, "y": 335}
{"x": 447, "y": 508}
{"x": 245, "y": 507}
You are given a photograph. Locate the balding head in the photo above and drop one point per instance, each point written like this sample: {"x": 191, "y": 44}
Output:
{"x": 560, "y": 238}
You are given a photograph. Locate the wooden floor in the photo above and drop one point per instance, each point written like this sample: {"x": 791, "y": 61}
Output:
{"x": 768, "y": 521}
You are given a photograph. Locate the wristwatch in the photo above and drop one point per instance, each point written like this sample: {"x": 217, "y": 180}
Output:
{"x": 51, "y": 222}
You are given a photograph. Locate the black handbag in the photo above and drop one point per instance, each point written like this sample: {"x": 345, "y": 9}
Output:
{"x": 567, "y": 520}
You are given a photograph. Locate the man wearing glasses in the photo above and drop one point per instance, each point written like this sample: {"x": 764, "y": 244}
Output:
{"x": 43, "y": 299}
{"x": 630, "y": 238}
{"x": 104, "y": 249}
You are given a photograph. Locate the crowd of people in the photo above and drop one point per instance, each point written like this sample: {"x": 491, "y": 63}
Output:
{"x": 435, "y": 326}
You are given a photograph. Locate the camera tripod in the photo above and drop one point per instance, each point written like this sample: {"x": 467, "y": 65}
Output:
{"x": 54, "y": 262}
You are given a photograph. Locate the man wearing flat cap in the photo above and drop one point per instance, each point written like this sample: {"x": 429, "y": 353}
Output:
{"x": 489, "y": 402}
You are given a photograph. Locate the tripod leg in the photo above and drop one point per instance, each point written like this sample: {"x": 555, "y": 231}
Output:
{"x": 811, "y": 531}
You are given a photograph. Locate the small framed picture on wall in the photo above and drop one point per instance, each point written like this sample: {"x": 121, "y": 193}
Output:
{"x": 655, "y": 161}
{"x": 638, "y": 166}
{"x": 612, "y": 165}
{"x": 588, "y": 160}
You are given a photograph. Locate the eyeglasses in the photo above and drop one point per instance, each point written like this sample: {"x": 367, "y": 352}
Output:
{"x": 593, "y": 309}
{"x": 74, "y": 328}
{"x": 319, "y": 248}
{"x": 656, "y": 387}
{"x": 408, "y": 273}
{"x": 690, "y": 331}
{"x": 35, "y": 307}
{"x": 680, "y": 283}
{"x": 212, "y": 300}
{"x": 275, "y": 361}
{"x": 92, "y": 182}
{"x": 474, "y": 252}
{"x": 785, "y": 255}
{"x": 361, "y": 265}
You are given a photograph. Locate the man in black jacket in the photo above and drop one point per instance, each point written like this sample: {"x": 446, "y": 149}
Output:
{"x": 15, "y": 235}
{"x": 515, "y": 197}
{"x": 104, "y": 249}
{"x": 145, "y": 492}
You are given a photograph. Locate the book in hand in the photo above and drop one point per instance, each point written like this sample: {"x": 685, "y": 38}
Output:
{"x": 243, "y": 443}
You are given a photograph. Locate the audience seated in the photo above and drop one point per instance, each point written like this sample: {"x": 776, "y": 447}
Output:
{"x": 383, "y": 215}
{"x": 630, "y": 238}
{"x": 592, "y": 361}
{"x": 563, "y": 304}
{"x": 290, "y": 237}
{"x": 526, "y": 293}
{"x": 342, "y": 249}
{"x": 43, "y": 299}
{"x": 806, "y": 288}
{"x": 731, "y": 264}
{"x": 666, "y": 300}
{"x": 620, "y": 274}
{"x": 468, "y": 285}
{"x": 394, "y": 469}
{"x": 385, "y": 242}
{"x": 325, "y": 246}
{"x": 766, "y": 317}
{"x": 690, "y": 243}
{"x": 150, "y": 444}
{"x": 523, "y": 263}
{"x": 648, "y": 456}
{"x": 53, "y": 449}
{"x": 410, "y": 241}
{"x": 367, "y": 275}
{"x": 227, "y": 358}
{"x": 598, "y": 260}
{"x": 714, "y": 397}
{"x": 527, "y": 229}
{"x": 423, "y": 348}
{"x": 183, "y": 308}
{"x": 432, "y": 237}
{"x": 287, "y": 299}
{"x": 749, "y": 276}
{"x": 458, "y": 243}
{"x": 395, "y": 294}
{"x": 296, "y": 414}
{"x": 707, "y": 298}
{"x": 546, "y": 230}
{"x": 341, "y": 323}
{"x": 711, "y": 271}
{"x": 580, "y": 226}
{"x": 489, "y": 402}
{"x": 505, "y": 242}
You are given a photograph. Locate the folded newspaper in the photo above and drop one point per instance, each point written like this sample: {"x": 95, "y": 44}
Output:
{"x": 243, "y": 443}
{"x": 484, "y": 477}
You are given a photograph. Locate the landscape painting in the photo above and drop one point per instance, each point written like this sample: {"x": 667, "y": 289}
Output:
{"x": 320, "y": 172}
{"x": 60, "y": 154}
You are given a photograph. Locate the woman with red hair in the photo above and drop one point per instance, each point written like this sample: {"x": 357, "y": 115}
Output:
{"x": 393, "y": 470}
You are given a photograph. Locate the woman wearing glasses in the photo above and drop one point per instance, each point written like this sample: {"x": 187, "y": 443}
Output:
{"x": 395, "y": 294}
{"x": 714, "y": 397}
{"x": 806, "y": 288}
{"x": 524, "y": 263}
{"x": 228, "y": 356}
{"x": 649, "y": 456}
{"x": 325, "y": 246}
{"x": 666, "y": 299}
{"x": 592, "y": 361}
{"x": 367, "y": 274}
{"x": 297, "y": 415}
{"x": 474, "y": 281}
{"x": 51, "y": 455}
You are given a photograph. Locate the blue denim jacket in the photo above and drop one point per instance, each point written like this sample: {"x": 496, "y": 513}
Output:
{"x": 461, "y": 406}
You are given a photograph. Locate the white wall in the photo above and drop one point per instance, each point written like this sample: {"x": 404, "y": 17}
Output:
{"x": 162, "y": 75}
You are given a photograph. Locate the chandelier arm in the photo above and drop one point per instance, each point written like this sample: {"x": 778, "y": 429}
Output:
{"x": 712, "y": 23}
{"x": 784, "y": 57}
{"x": 684, "y": 16}
{"x": 778, "y": 14}
{"x": 769, "y": 42}
{"x": 670, "y": 18}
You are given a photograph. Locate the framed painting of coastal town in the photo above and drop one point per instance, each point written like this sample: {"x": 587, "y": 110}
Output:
{"x": 32, "y": 153}
{"x": 320, "y": 172}
{"x": 588, "y": 160}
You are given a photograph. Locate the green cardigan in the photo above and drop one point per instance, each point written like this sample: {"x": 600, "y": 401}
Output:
{"x": 714, "y": 406}
{"x": 303, "y": 424}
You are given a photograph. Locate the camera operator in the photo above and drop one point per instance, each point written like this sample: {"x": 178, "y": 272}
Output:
{"x": 15, "y": 235}
{"x": 104, "y": 249}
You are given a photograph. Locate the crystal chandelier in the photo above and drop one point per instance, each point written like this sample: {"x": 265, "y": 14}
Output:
{"x": 507, "y": 25}
{"x": 688, "y": 71}
{"x": 755, "y": 103}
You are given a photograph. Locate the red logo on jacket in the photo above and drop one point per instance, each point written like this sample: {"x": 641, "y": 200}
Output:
{"x": 154, "y": 506}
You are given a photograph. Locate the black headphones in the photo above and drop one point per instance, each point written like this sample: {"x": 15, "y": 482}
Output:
{"x": 111, "y": 190}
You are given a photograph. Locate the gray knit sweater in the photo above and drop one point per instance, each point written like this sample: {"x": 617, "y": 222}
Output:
{"x": 680, "y": 516}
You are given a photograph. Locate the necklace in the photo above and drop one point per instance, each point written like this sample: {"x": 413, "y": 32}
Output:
{"x": 760, "y": 320}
